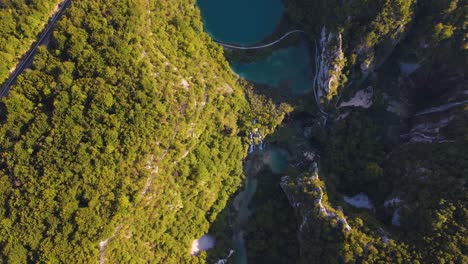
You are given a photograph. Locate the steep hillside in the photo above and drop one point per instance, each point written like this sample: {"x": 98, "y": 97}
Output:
{"x": 20, "y": 23}
{"x": 393, "y": 151}
{"x": 124, "y": 140}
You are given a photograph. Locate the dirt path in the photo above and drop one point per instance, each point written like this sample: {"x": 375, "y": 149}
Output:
{"x": 103, "y": 244}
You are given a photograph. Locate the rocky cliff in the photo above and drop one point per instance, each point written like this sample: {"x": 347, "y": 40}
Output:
{"x": 394, "y": 80}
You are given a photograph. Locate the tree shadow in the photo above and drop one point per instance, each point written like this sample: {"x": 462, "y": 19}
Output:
{"x": 271, "y": 232}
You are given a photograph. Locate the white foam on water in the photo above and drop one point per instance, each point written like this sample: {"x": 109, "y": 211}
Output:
{"x": 202, "y": 244}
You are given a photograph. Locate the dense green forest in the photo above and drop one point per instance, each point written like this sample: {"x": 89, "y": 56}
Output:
{"x": 20, "y": 23}
{"x": 361, "y": 150}
{"x": 431, "y": 31}
{"x": 429, "y": 178}
{"x": 129, "y": 123}
{"x": 125, "y": 139}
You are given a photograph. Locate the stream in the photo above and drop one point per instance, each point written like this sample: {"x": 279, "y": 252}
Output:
{"x": 277, "y": 161}
{"x": 247, "y": 23}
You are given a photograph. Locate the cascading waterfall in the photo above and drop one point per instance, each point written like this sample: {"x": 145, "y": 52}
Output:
{"x": 255, "y": 136}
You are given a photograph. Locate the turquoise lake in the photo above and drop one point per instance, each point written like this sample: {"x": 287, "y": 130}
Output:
{"x": 285, "y": 69}
{"x": 243, "y": 22}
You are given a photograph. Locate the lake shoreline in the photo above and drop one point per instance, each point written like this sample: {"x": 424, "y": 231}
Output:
{"x": 283, "y": 73}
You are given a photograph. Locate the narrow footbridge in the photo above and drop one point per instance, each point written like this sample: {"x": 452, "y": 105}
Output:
{"x": 262, "y": 46}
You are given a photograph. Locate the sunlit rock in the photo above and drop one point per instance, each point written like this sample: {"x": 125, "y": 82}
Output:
{"x": 360, "y": 200}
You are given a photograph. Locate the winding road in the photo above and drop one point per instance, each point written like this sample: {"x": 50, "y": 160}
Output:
{"x": 30, "y": 54}
{"x": 262, "y": 46}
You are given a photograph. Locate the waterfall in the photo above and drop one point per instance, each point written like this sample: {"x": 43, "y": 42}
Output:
{"x": 255, "y": 135}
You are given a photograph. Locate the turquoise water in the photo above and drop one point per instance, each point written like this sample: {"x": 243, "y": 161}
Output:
{"x": 285, "y": 69}
{"x": 243, "y": 213}
{"x": 278, "y": 160}
{"x": 244, "y": 22}
{"x": 240, "y": 254}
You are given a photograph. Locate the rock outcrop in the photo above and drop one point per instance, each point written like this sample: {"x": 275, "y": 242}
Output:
{"x": 329, "y": 62}
{"x": 307, "y": 196}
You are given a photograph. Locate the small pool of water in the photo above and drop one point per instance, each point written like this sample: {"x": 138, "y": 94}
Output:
{"x": 243, "y": 22}
{"x": 247, "y": 22}
{"x": 288, "y": 68}
{"x": 277, "y": 160}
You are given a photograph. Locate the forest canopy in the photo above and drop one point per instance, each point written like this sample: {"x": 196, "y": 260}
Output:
{"x": 124, "y": 113}
{"x": 21, "y": 22}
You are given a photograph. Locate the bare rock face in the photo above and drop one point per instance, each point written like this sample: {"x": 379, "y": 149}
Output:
{"x": 329, "y": 61}
{"x": 307, "y": 195}
{"x": 444, "y": 117}
{"x": 362, "y": 98}
{"x": 427, "y": 131}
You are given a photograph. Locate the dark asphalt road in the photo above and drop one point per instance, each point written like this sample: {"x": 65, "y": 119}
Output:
{"x": 30, "y": 55}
